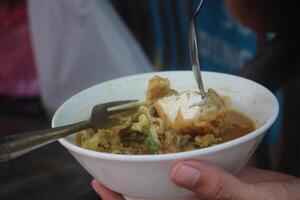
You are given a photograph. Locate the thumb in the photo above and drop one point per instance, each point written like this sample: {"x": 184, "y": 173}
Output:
{"x": 211, "y": 182}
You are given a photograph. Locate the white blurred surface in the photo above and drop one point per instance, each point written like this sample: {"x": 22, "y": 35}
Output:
{"x": 79, "y": 43}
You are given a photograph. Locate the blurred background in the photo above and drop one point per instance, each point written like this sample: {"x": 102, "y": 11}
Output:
{"x": 50, "y": 50}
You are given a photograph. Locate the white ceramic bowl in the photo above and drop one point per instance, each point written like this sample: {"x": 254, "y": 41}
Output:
{"x": 147, "y": 176}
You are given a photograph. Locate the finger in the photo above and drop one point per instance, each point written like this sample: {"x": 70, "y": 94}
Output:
{"x": 254, "y": 175}
{"x": 105, "y": 193}
{"x": 211, "y": 182}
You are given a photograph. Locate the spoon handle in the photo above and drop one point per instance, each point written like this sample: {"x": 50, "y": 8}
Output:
{"x": 16, "y": 145}
{"x": 194, "y": 51}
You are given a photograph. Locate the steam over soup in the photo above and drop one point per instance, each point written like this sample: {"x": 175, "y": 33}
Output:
{"x": 168, "y": 122}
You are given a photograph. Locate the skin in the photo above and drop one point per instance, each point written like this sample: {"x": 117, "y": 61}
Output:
{"x": 213, "y": 183}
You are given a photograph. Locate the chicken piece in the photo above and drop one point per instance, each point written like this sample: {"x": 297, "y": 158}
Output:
{"x": 158, "y": 87}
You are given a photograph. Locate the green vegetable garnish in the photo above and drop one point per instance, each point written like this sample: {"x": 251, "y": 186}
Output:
{"x": 143, "y": 126}
{"x": 153, "y": 147}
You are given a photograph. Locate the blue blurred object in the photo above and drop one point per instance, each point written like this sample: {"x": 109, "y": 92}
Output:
{"x": 225, "y": 45}
{"x": 158, "y": 33}
{"x": 276, "y": 129}
{"x": 184, "y": 27}
{"x": 172, "y": 58}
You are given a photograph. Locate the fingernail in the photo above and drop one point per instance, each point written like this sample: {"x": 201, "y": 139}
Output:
{"x": 187, "y": 175}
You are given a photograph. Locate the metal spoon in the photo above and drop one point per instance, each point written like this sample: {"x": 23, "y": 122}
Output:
{"x": 194, "y": 53}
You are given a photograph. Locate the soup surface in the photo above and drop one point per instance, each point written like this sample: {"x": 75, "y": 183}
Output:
{"x": 168, "y": 122}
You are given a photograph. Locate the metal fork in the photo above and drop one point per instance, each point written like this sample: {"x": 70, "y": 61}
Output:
{"x": 16, "y": 145}
{"x": 194, "y": 52}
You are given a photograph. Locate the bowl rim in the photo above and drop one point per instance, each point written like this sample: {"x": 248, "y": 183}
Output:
{"x": 170, "y": 156}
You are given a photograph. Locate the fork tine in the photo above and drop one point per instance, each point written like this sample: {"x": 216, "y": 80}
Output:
{"x": 117, "y": 103}
{"x": 123, "y": 109}
{"x": 116, "y": 112}
{"x": 100, "y": 112}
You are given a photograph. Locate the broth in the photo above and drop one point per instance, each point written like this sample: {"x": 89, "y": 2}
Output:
{"x": 239, "y": 125}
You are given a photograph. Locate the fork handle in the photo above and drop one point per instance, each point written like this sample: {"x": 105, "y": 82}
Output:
{"x": 16, "y": 145}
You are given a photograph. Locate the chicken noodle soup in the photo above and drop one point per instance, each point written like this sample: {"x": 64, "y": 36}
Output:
{"x": 168, "y": 122}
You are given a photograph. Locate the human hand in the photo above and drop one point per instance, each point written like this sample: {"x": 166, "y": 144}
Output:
{"x": 213, "y": 183}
